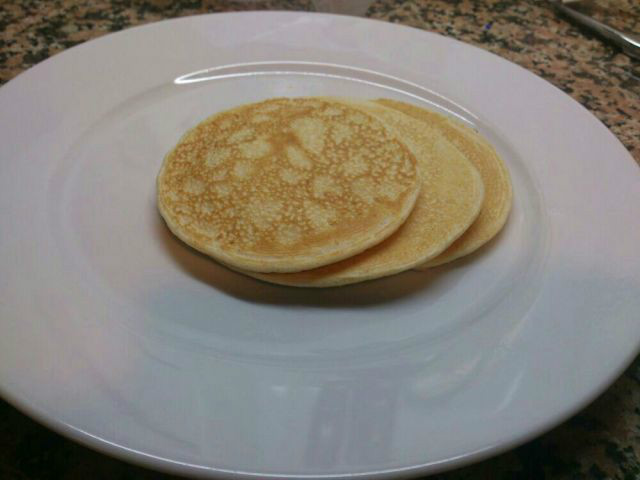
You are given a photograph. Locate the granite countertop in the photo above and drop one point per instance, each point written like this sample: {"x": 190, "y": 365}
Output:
{"x": 603, "y": 441}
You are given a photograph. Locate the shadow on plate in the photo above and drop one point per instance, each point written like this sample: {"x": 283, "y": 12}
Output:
{"x": 372, "y": 293}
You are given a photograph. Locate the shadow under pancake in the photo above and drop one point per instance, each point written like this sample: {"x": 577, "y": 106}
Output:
{"x": 371, "y": 293}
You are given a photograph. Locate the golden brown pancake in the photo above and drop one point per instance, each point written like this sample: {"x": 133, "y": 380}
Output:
{"x": 287, "y": 184}
{"x": 449, "y": 201}
{"x": 495, "y": 176}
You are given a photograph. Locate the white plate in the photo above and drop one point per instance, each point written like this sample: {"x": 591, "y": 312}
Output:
{"x": 117, "y": 335}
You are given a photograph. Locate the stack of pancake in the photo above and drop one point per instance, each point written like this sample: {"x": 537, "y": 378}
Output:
{"x": 319, "y": 192}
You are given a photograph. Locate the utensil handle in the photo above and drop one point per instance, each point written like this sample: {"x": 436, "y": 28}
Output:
{"x": 629, "y": 43}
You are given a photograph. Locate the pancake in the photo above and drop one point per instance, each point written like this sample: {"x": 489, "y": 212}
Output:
{"x": 287, "y": 184}
{"x": 495, "y": 177}
{"x": 449, "y": 201}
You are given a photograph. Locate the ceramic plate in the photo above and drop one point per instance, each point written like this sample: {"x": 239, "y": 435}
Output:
{"x": 117, "y": 335}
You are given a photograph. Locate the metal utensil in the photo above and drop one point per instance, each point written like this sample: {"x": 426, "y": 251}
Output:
{"x": 630, "y": 44}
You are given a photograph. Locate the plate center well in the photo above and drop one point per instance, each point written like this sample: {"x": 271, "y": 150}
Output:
{"x": 103, "y": 195}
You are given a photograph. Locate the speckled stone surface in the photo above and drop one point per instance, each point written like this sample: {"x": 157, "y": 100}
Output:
{"x": 603, "y": 441}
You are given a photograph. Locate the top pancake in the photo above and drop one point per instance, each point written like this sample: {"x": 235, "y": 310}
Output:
{"x": 287, "y": 184}
{"x": 449, "y": 201}
{"x": 495, "y": 176}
